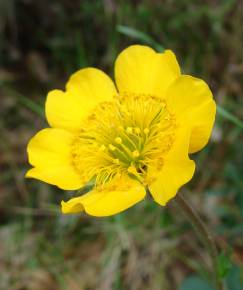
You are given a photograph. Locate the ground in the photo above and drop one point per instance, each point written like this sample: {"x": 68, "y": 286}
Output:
{"x": 146, "y": 247}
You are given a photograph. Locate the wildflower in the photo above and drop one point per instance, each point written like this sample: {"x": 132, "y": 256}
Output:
{"x": 126, "y": 138}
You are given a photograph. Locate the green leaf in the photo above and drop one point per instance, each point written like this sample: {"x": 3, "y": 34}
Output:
{"x": 224, "y": 265}
{"x": 195, "y": 283}
{"x": 234, "y": 279}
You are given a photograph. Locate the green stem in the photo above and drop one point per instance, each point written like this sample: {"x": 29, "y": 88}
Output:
{"x": 204, "y": 235}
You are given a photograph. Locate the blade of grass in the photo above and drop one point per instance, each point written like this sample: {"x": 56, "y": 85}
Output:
{"x": 230, "y": 117}
{"x": 36, "y": 108}
{"x": 28, "y": 103}
{"x": 134, "y": 33}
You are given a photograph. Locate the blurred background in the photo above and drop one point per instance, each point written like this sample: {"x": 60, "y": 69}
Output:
{"x": 146, "y": 247}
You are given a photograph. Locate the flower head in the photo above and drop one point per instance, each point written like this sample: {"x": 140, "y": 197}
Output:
{"x": 125, "y": 138}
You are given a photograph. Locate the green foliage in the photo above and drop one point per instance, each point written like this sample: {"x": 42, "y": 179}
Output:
{"x": 235, "y": 279}
{"x": 227, "y": 115}
{"x": 195, "y": 283}
{"x": 224, "y": 265}
{"x": 140, "y": 36}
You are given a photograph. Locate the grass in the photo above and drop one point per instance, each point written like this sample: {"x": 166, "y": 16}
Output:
{"x": 147, "y": 247}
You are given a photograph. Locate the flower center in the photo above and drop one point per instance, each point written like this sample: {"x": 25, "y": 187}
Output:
{"x": 124, "y": 136}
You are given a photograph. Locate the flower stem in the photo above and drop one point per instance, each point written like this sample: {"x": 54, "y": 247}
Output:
{"x": 204, "y": 235}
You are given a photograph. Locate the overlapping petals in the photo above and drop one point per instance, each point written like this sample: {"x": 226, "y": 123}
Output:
{"x": 84, "y": 91}
{"x": 177, "y": 169}
{"x": 192, "y": 102}
{"x": 138, "y": 70}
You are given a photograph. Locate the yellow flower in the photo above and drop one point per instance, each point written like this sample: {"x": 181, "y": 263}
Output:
{"x": 125, "y": 138}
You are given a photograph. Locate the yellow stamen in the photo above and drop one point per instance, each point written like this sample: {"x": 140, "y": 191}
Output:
{"x": 116, "y": 161}
{"x": 146, "y": 131}
{"x": 112, "y": 147}
{"x": 132, "y": 169}
{"x": 102, "y": 148}
{"x": 124, "y": 136}
{"x": 129, "y": 130}
{"x": 135, "y": 153}
{"x": 118, "y": 140}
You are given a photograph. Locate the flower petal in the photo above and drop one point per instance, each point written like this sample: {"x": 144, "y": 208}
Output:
{"x": 85, "y": 89}
{"x": 49, "y": 152}
{"x": 177, "y": 170}
{"x": 192, "y": 102}
{"x": 139, "y": 69}
{"x": 107, "y": 202}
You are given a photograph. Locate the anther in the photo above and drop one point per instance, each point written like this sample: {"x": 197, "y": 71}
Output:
{"x": 129, "y": 130}
{"x": 116, "y": 161}
{"x": 112, "y": 147}
{"x": 118, "y": 174}
{"x": 135, "y": 153}
{"x": 102, "y": 148}
{"x": 132, "y": 169}
{"x": 118, "y": 140}
{"x": 146, "y": 131}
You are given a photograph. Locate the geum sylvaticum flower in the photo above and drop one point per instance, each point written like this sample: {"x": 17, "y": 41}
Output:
{"x": 125, "y": 138}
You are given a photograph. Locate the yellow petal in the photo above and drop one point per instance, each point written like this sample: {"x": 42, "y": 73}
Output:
{"x": 63, "y": 177}
{"x": 139, "y": 69}
{"x": 192, "y": 102}
{"x": 107, "y": 202}
{"x": 85, "y": 89}
{"x": 177, "y": 170}
{"x": 49, "y": 153}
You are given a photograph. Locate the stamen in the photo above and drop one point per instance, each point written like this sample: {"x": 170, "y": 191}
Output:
{"x": 118, "y": 140}
{"x": 124, "y": 136}
{"x": 116, "y": 161}
{"x": 102, "y": 147}
{"x": 129, "y": 130}
{"x": 132, "y": 169}
{"x": 112, "y": 147}
{"x": 146, "y": 131}
{"x": 135, "y": 153}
